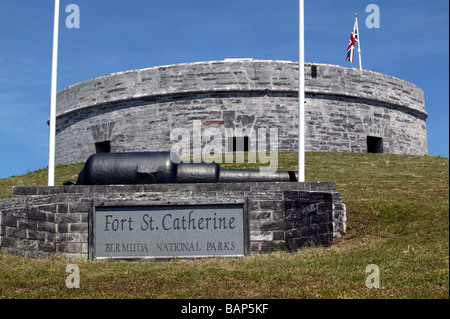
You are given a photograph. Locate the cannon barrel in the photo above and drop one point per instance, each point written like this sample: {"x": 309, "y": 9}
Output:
{"x": 162, "y": 167}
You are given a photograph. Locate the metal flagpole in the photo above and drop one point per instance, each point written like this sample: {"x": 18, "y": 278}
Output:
{"x": 359, "y": 42}
{"x": 301, "y": 95}
{"x": 52, "y": 134}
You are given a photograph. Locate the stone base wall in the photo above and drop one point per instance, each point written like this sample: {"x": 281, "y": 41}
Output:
{"x": 41, "y": 222}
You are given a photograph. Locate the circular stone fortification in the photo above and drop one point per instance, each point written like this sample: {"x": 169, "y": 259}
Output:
{"x": 236, "y": 104}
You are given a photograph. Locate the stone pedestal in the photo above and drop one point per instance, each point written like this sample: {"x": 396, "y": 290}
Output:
{"x": 42, "y": 222}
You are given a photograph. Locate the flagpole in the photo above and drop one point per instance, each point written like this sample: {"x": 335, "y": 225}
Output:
{"x": 52, "y": 133}
{"x": 301, "y": 94}
{"x": 359, "y": 42}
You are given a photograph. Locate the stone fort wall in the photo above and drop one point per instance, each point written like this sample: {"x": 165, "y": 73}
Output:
{"x": 347, "y": 110}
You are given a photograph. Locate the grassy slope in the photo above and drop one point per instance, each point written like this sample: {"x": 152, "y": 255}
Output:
{"x": 398, "y": 217}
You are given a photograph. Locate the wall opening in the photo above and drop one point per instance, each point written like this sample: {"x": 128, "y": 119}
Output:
{"x": 103, "y": 147}
{"x": 374, "y": 144}
{"x": 314, "y": 71}
{"x": 238, "y": 144}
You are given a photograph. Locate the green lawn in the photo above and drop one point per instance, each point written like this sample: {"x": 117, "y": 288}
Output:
{"x": 398, "y": 219}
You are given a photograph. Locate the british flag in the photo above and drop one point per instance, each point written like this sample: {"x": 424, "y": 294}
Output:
{"x": 354, "y": 36}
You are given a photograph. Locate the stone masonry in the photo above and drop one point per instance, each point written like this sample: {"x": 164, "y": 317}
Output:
{"x": 138, "y": 110}
{"x": 41, "y": 222}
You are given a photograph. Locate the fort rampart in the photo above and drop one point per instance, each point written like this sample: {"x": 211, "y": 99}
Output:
{"x": 347, "y": 110}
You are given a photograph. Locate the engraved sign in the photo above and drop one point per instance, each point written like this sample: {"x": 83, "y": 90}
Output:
{"x": 167, "y": 231}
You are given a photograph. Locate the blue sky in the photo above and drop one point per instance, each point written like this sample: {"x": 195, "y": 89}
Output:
{"x": 412, "y": 43}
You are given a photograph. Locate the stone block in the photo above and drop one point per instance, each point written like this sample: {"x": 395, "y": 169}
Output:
{"x": 321, "y": 218}
{"x": 260, "y": 214}
{"x": 9, "y": 220}
{"x": 63, "y": 227}
{"x": 46, "y": 247}
{"x": 27, "y": 224}
{"x": 71, "y": 247}
{"x": 271, "y": 205}
{"x": 278, "y": 214}
{"x": 68, "y": 237}
{"x": 272, "y": 225}
{"x": 69, "y": 218}
{"x": 325, "y": 228}
{"x": 62, "y": 208}
{"x": 49, "y": 208}
{"x": 46, "y": 227}
{"x": 78, "y": 227}
{"x": 36, "y": 235}
{"x": 279, "y": 235}
{"x": 14, "y": 232}
{"x": 261, "y": 236}
{"x": 79, "y": 207}
{"x": 24, "y": 191}
{"x": 36, "y": 214}
{"x": 309, "y": 231}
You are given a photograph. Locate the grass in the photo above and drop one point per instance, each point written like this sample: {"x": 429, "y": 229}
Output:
{"x": 398, "y": 219}
{"x": 38, "y": 178}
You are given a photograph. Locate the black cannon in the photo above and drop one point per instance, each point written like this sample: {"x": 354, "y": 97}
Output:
{"x": 162, "y": 167}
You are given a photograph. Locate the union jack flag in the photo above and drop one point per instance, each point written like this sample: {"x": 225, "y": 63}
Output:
{"x": 354, "y": 38}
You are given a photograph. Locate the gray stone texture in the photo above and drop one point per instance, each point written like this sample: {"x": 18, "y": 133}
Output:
{"x": 137, "y": 110}
{"x": 44, "y": 221}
